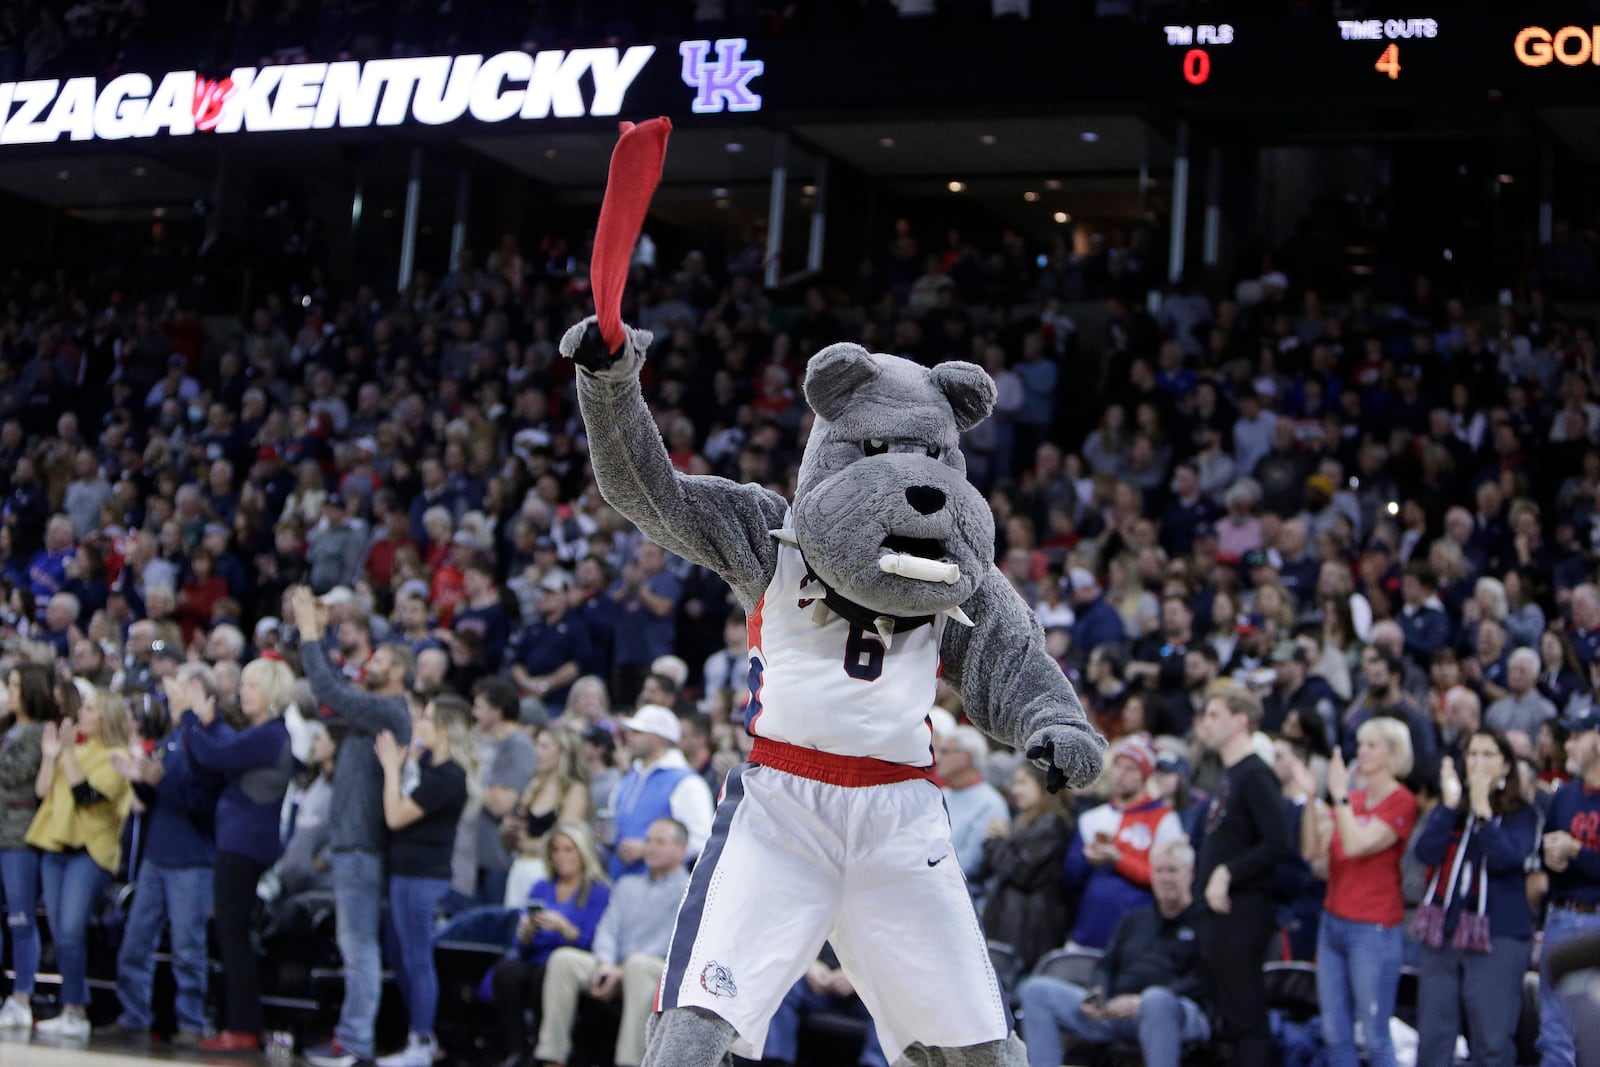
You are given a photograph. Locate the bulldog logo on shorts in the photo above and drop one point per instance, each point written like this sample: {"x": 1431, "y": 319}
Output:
{"x": 718, "y": 980}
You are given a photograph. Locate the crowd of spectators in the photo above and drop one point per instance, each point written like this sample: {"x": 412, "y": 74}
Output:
{"x": 334, "y": 592}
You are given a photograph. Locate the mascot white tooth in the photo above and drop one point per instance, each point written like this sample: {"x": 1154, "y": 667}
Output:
{"x": 877, "y": 578}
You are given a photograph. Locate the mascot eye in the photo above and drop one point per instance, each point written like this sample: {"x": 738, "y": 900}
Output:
{"x": 875, "y": 447}
{"x": 934, "y": 451}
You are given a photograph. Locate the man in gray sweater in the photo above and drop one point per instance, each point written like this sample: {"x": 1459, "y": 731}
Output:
{"x": 630, "y": 949}
{"x": 357, "y": 831}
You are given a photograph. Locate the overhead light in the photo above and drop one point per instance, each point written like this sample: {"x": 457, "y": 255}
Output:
{"x": 62, "y": 175}
{"x": 734, "y": 147}
{"x": 809, "y": 190}
{"x": 1053, "y": 184}
{"x": 987, "y": 138}
{"x": 1030, "y": 196}
{"x": 138, "y": 172}
{"x": 1088, "y": 137}
{"x": 719, "y": 193}
{"x": 1449, "y": 255}
{"x": 1062, "y": 216}
{"x": 956, "y": 187}
{"x": 549, "y": 153}
{"x": 886, "y": 142}
{"x": 1506, "y": 179}
{"x": 159, "y": 213}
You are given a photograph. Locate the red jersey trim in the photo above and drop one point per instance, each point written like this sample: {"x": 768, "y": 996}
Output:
{"x": 852, "y": 772}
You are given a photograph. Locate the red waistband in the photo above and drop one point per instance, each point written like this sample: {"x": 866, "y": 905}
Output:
{"x": 853, "y": 772}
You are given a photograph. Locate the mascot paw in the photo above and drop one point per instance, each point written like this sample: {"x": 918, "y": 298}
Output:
{"x": 591, "y": 351}
{"x": 1071, "y": 756}
{"x": 585, "y": 346}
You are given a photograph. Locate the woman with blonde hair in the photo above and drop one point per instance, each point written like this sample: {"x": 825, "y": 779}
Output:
{"x": 558, "y": 791}
{"x": 562, "y": 911}
{"x": 78, "y": 828}
{"x": 423, "y": 813}
{"x": 257, "y": 765}
{"x": 1360, "y": 944}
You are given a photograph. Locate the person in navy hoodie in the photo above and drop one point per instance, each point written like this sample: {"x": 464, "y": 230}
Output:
{"x": 257, "y": 765}
{"x": 562, "y": 911}
{"x": 173, "y": 884}
{"x": 1571, "y": 854}
{"x": 1474, "y": 924}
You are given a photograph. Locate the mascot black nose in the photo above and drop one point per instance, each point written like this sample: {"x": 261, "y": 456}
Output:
{"x": 925, "y": 498}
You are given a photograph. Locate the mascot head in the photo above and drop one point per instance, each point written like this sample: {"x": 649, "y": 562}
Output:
{"x": 883, "y": 511}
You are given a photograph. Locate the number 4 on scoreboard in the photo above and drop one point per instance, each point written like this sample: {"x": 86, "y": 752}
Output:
{"x": 1389, "y": 62}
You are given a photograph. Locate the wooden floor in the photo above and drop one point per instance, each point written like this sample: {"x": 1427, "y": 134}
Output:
{"x": 16, "y": 1051}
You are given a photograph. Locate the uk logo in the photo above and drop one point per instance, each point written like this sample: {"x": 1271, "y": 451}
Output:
{"x": 723, "y": 84}
{"x": 718, "y": 980}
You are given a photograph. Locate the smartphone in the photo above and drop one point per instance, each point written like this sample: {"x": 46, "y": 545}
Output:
{"x": 1095, "y": 999}
{"x": 534, "y": 908}
{"x": 1103, "y": 838}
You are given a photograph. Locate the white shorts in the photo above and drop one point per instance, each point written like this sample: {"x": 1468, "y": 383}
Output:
{"x": 792, "y": 863}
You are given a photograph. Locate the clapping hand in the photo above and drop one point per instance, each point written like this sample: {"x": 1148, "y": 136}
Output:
{"x": 1449, "y": 783}
{"x": 137, "y": 767}
{"x": 1338, "y": 778}
{"x": 390, "y": 755}
{"x": 1560, "y": 849}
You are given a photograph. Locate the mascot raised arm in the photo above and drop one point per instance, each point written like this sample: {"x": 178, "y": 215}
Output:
{"x": 874, "y": 581}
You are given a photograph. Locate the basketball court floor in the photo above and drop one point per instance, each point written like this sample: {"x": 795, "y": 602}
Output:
{"x": 20, "y": 1052}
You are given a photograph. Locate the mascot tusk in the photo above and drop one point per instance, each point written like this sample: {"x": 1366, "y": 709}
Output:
{"x": 926, "y": 570}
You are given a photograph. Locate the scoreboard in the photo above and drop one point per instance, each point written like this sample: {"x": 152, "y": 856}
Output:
{"x": 1436, "y": 52}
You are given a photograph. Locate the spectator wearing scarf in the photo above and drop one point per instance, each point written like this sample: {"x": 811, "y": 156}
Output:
{"x": 1473, "y": 923}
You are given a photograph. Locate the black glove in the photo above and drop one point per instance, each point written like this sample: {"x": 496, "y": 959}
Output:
{"x": 592, "y": 354}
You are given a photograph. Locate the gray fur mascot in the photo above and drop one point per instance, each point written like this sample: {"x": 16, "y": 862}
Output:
{"x": 874, "y": 582}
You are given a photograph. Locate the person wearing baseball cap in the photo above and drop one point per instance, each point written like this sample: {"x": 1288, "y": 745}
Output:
{"x": 1109, "y": 859}
{"x": 335, "y": 548}
{"x": 1571, "y": 854}
{"x": 660, "y": 784}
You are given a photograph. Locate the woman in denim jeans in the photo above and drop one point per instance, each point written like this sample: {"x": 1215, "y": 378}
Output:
{"x": 422, "y": 804}
{"x": 31, "y": 705}
{"x": 1359, "y": 943}
{"x": 79, "y": 828}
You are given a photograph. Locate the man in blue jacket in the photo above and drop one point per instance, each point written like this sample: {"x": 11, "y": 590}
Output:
{"x": 1098, "y": 622}
{"x": 176, "y": 802}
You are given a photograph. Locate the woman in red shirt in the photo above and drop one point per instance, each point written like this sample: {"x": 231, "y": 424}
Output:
{"x": 1360, "y": 943}
{"x": 199, "y": 594}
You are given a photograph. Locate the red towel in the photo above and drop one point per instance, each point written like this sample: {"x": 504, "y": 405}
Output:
{"x": 635, "y": 173}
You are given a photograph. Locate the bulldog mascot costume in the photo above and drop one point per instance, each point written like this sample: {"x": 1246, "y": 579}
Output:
{"x": 874, "y": 581}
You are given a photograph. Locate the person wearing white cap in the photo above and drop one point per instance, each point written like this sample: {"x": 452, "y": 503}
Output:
{"x": 660, "y": 783}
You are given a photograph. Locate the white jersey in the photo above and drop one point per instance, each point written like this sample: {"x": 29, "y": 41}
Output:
{"x": 833, "y": 686}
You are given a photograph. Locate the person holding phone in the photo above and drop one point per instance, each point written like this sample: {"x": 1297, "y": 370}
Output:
{"x": 562, "y": 911}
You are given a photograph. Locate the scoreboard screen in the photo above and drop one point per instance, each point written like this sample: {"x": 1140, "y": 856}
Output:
{"x": 1436, "y": 52}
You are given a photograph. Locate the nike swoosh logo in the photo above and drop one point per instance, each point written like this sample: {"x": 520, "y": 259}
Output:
{"x": 935, "y": 863}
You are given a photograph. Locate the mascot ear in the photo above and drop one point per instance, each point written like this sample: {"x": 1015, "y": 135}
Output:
{"x": 969, "y": 389}
{"x": 835, "y": 374}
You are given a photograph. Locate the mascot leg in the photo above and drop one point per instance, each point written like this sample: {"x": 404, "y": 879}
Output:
{"x": 691, "y": 1037}
{"x": 1007, "y": 1053}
